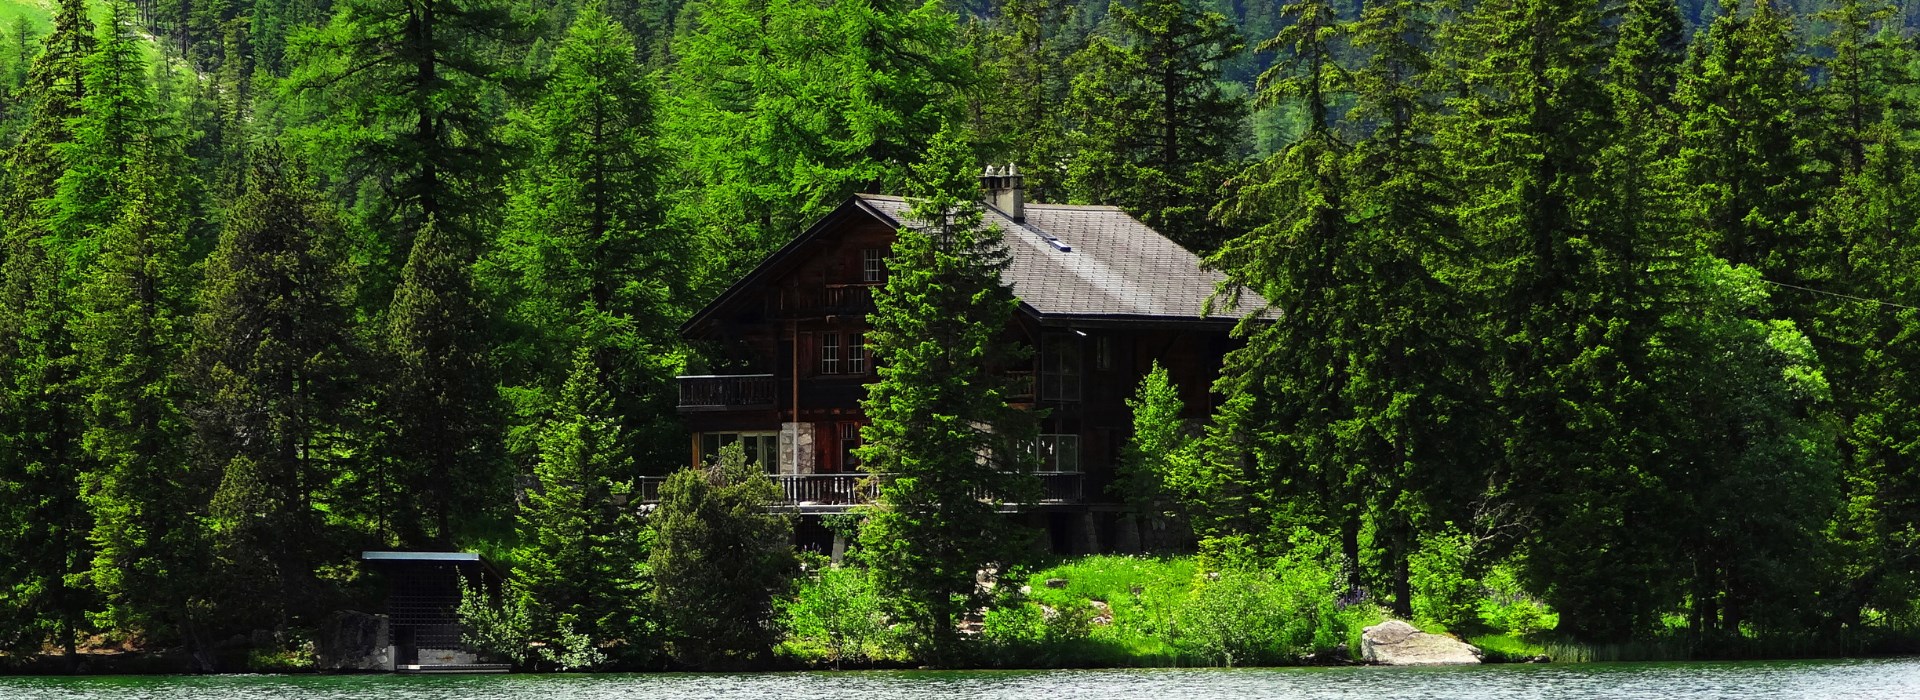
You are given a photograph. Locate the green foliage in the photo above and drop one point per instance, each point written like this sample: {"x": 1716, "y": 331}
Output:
{"x": 1277, "y": 613}
{"x": 499, "y": 630}
{"x": 1160, "y": 468}
{"x": 1156, "y": 133}
{"x": 942, "y": 425}
{"x": 583, "y": 550}
{"x": 1443, "y": 592}
{"x": 836, "y": 616}
{"x": 719, "y": 557}
{"x": 777, "y": 111}
{"x": 1507, "y": 608}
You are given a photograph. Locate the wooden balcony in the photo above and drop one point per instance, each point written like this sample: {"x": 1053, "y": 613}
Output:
{"x": 832, "y": 493}
{"x": 827, "y": 300}
{"x": 724, "y": 392}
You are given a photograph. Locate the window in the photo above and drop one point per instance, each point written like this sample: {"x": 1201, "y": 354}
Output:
{"x": 856, "y": 353}
{"x": 1060, "y": 368}
{"x": 1103, "y": 352}
{"x": 849, "y": 441}
{"x": 829, "y": 353}
{"x": 1059, "y": 452}
{"x": 873, "y": 264}
{"x": 761, "y": 448}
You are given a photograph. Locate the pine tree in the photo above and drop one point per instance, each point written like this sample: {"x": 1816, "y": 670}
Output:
{"x": 583, "y": 549}
{"x": 720, "y": 554}
{"x": 272, "y": 368}
{"x": 942, "y": 426}
{"x": 439, "y": 395}
{"x": 1157, "y": 134}
{"x": 117, "y": 116}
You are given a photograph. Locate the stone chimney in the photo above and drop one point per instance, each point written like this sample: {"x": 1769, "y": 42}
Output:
{"x": 1004, "y": 191}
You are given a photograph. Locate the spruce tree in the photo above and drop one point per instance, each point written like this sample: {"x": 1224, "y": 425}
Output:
{"x": 579, "y": 569}
{"x": 130, "y": 329}
{"x": 1159, "y": 474}
{"x": 942, "y": 425}
{"x": 1023, "y": 95}
{"x": 1157, "y": 134}
{"x": 42, "y": 519}
{"x": 1744, "y": 148}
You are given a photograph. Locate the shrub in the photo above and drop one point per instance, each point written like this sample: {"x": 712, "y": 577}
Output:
{"x": 1443, "y": 593}
{"x": 1282, "y": 612}
{"x": 1507, "y": 607}
{"x": 503, "y": 631}
{"x": 835, "y": 616}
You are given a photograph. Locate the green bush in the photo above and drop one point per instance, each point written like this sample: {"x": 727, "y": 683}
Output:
{"x": 1280, "y": 613}
{"x": 835, "y": 617}
{"x": 1443, "y": 593}
{"x": 503, "y": 632}
{"x": 1507, "y": 607}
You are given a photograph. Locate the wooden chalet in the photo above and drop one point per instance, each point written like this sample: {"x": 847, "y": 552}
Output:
{"x": 1102, "y": 296}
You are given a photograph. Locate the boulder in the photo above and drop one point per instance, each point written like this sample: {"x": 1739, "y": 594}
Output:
{"x": 354, "y": 641}
{"x": 1396, "y": 643}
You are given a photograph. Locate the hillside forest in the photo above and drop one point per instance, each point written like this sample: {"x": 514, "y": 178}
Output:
{"x": 1612, "y": 301}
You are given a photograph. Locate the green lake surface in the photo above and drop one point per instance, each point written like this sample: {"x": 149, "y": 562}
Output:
{"x": 1861, "y": 678}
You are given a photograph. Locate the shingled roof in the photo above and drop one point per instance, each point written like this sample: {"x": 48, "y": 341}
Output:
{"x": 1069, "y": 263}
{"x": 1097, "y": 262}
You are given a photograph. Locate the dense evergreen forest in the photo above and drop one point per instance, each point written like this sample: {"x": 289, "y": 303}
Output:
{"x": 1612, "y": 301}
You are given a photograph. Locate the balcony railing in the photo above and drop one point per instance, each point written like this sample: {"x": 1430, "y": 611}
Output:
{"x": 832, "y": 299}
{"x": 832, "y": 491}
{"x": 719, "y": 392}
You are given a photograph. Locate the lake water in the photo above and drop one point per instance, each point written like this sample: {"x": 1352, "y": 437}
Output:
{"x": 1871, "y": 678}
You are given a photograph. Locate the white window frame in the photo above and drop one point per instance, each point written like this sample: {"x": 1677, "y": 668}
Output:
{"x": 762, "y": 447}
{"x": 873, "y": 265}
{"x": 856, "y": 353}
{"x": 829, "y": 353}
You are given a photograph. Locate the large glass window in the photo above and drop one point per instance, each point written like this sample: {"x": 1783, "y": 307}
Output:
{"x": 1059, "y": 452}
{"x": 762, "y": 448}
{"x": 829, "y": 353}
{"x": 873, "y": 264}
{"x": 1060, "y": 368}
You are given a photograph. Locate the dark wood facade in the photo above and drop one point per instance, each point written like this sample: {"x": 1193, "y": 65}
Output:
{"x": 793, "y": 370}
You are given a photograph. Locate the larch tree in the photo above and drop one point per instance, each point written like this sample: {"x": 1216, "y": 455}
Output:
{"x": 42, "y": 519}
{"x": 777, "y": 111}
{"x": 1155, "y": 132}
{"x": 585, "y": 258}
{"x": 943, "y": 427}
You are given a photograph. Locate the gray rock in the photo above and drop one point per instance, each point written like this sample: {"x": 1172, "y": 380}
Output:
{"x": 1056, "y": 583}
{"x": 1396, "y": 643}
{"x": 354, "y": 641}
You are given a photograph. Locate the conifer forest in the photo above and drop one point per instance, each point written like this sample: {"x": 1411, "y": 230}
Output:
{"x": 1592, "y": 321}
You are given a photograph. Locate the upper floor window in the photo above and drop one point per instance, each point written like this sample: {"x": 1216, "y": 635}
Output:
{"x": 856, "y": 353}
{"x": 829, "y": 353}
{"x": 873, "y": 264}
{"x": 762, "y": 448}
{"x": 1060, "y": 368}
{"x": 1103, "y": 352}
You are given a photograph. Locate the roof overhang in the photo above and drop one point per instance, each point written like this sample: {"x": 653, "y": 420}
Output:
{"x": 779, "y": 261}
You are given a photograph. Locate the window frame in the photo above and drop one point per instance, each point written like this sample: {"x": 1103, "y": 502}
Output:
{"x": 830, "y": 353}
{"x": 873, "y": 265}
